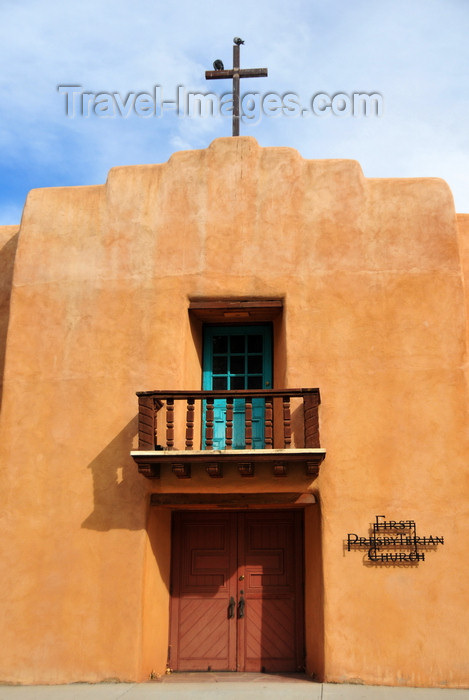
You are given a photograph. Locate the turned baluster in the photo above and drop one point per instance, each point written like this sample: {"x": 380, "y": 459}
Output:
{"x": 190, "y": 424}
{"x": 155, "y": 428}
{"x": 286, "y": 423}
{"x": 169, "y": 424}
{"x": 229, "y": 423}
{"x": 268, "y": 423}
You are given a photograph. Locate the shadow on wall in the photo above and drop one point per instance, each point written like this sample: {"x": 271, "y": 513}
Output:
{"x": 7, "y": 262}
{"x": 119, "y": 491}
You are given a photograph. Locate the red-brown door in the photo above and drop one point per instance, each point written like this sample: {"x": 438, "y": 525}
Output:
{"x": 237, "y": 591}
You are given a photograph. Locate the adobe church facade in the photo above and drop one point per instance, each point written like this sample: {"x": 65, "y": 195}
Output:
{"x": 234, "y": 428}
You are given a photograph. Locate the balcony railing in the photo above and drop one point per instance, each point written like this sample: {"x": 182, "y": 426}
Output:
{"x": 178, "y": 426}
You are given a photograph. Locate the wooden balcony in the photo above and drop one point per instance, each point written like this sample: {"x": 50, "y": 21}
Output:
{"x": 177, "y": 428}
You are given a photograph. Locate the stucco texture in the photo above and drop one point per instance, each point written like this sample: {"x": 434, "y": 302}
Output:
{"x": 371, "y": 275}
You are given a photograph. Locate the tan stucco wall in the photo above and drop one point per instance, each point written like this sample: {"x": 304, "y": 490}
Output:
{"x": 8, "y": 243}
{"x": 374, "y": 315}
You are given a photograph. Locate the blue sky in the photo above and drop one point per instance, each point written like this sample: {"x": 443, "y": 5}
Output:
{"x": 415, "y": 53}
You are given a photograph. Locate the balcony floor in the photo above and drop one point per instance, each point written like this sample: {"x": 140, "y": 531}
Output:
{"x": 150, "y": 461}
{"x": 290, "y": 455}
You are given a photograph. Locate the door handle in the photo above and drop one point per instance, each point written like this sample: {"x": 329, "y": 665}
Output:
{"x": 231, "y": 608}
{"x": 241, "y": 605}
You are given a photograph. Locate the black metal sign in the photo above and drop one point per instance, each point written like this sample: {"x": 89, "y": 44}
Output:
{"x": 393, "y": 542}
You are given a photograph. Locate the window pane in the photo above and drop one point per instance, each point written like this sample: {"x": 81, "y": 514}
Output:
{"x": 220, "y": 343}
{"x": 237, "y": 343}
{"x": 237, "y": 382}
{"x": 237, "y": 365}
{"x": 254, "y": 343}
{"x": 219, "y": 383}
{"x": 220, "y": 365}
{"x": 255, "y": 383}
{"x": 255, "y": 364}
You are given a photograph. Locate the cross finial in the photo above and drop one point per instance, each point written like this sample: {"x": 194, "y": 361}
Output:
{"x": 236, "y": 73}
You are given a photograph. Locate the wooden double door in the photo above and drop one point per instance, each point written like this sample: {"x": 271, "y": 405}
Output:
{"x": 237, "y": 591}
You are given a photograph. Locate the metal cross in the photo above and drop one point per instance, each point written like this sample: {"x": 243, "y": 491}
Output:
{"x": 236, "y": 73}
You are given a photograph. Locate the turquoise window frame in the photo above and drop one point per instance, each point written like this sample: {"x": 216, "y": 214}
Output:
{"x": 233, "y": 368}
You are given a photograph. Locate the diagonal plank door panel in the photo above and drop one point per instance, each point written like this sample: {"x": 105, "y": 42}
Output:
{"x": 204, "y": 573}
{"x": 270, "y": 555}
